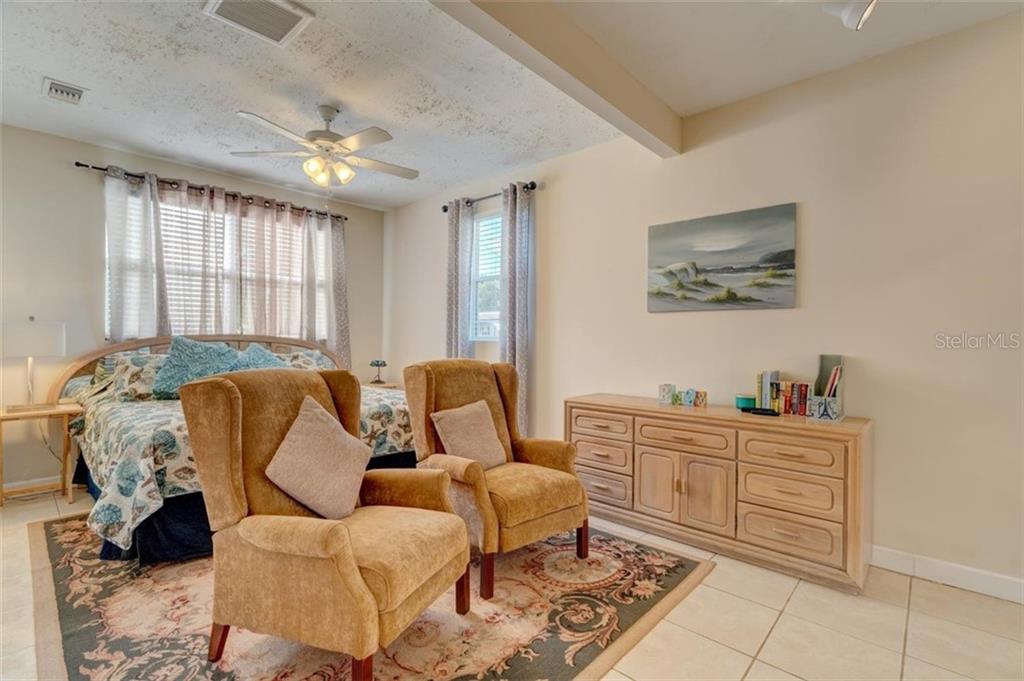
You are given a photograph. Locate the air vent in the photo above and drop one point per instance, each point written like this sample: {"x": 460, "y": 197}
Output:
{"x": 275, "y": 20}
{"x": 54, "y": 89}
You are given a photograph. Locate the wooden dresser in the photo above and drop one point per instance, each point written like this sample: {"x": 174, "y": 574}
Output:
{"x": 780, "y": 491}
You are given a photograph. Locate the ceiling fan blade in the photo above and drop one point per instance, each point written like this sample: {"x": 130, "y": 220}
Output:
{"x": 363, "y": 139}
{"x": 285, "y": 132}
{"x": 382, "y": 167}
{"x": 247, "y": 154}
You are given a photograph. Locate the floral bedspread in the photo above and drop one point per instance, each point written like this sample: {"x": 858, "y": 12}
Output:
{"x": 385, "y": 424}
{"x": 139, "y": 453}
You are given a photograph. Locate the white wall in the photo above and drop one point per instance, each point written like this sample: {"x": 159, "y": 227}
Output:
{"x": 907, "y": 173}
{"x": 53, "y": 258}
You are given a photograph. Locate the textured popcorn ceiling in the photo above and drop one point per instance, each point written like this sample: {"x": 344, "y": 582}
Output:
{"x": 165, "y": 80}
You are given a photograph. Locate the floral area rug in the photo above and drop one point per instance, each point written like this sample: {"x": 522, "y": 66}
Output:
{"x": 552, "y": 617}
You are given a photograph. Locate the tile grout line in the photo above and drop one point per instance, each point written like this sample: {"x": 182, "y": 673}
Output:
{"x": 961, "y": 624}
{"x": 756, "y": 656}
{"x": 703, "y": 636}
{"x": 906, "y": 629}
{"x": 804, "y": 619}
{"x": 846, "y": 633}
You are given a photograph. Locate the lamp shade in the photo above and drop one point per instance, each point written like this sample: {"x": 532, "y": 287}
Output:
{"x": 32, "y": 339}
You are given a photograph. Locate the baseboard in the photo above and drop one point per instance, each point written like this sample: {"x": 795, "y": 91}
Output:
{"x": 1006, "y": 587}
{"x": 25, "y": 484}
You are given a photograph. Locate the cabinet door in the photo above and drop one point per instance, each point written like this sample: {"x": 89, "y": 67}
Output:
{"x": 654, "y": 483}
{"x": 708, "y": 499}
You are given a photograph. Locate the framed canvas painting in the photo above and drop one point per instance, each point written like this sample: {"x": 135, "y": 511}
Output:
{"x": 734, "y": 261}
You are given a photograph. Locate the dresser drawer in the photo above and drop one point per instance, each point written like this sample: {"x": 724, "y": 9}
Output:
{"x": 601, "y": 424}
{"x": 608, "y": 455}
{"x": 817, "y": 540}
{"x": 822, "y": 457}
{"x": 688, "y": 437}
{"x": 790, "y": 491}
{"x": 607, "y": 487}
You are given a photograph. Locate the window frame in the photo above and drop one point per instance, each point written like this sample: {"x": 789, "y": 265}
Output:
{"x": 479, "y": 219}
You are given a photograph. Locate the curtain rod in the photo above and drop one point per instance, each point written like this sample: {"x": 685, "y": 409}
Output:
{"x": 529, "y": 186}
{"x": 237, "y": 195}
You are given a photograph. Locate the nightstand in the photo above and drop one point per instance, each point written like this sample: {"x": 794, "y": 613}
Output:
{"x": 65, "y": 412}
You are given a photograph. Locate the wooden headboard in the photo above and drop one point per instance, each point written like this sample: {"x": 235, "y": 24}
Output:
{"x": 86, "y": 364}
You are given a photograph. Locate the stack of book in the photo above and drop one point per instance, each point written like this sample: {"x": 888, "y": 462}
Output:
{"x": 783, "y": 397}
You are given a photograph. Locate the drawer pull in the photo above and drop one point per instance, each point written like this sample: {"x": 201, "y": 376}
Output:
{"x": 602, "y": 426}
{"x": 597, "y": 485}
{"x": 786, "y": 533}
{"x": 790, "y": 455}
{"x": 793, "y": 492}
{"x": 603, "y": 455}
{"x": 683, "y": 438}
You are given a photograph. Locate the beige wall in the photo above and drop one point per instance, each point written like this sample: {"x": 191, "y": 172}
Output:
{"x": 907, "y": 174}
{"x": 53, "y": 258}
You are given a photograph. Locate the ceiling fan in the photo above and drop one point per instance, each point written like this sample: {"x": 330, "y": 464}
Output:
{"x": 326, "y": 152}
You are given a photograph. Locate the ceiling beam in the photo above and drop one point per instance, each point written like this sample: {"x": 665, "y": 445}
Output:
{"x": 545, "y": 40}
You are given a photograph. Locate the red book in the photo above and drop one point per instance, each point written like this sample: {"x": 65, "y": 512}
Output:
{"x": 803, "y": 399}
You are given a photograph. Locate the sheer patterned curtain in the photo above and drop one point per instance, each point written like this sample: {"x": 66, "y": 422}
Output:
{"x": 325, "y": 285}
{"x": 135, "y": 300}
{"x": 460, "y": 263}
{"x": 187, "y": 259}
{"x": 517, "y": 287}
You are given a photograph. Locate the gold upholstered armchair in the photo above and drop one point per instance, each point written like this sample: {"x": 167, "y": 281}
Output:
{"x": 531, "y": 496}
{"x": 350, "y": 585}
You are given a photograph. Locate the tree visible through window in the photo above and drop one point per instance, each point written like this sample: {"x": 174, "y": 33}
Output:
{"x": 485, "y": 293}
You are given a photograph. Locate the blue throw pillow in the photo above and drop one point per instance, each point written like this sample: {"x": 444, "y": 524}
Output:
{"x": 255, "y": 356}
{"x": 188, "y": 360}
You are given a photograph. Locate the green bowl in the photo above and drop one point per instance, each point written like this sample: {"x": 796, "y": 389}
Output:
{"x": 746, "y": 401}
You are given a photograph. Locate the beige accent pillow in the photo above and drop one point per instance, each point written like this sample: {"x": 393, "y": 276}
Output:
{"x": 469, "y": 432}
{"x": 319, "y": 464}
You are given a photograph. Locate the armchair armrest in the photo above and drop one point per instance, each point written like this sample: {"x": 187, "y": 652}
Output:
{"x": 555, "y": 454}
{"x": 413, "y": 488}
{"x": 460, "y": 468}
{"x": 472, "y": 500}
{"x": 296, "y": 535}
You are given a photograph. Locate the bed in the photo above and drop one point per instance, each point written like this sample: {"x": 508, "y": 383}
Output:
{"x": 137, "y": 462}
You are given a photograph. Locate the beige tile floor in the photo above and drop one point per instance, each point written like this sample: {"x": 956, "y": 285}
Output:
{"x": 742, "y": 622}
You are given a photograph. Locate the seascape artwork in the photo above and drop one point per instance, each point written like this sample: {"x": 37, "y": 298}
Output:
{"x": 743, "y": 260}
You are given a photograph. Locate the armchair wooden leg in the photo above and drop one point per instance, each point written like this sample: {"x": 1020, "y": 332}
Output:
{"x": 218, "y": 637}
{"x": 487, "y": 576}
{"x": 583, "y": 540}
{"x": 362, "y": 670}
{"x": 462, "y": 593}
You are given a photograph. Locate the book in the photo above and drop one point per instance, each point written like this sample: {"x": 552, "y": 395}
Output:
{"x": 833, "y": 381}
{"x": 759, "y": 395}
{"x": 804, "y": 388}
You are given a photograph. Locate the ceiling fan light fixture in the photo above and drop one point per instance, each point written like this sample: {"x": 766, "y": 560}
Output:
{"x": 854, "y": 13}
{"x": 322, "y": 179}
{"x": 314, "y": 166}
{"x": 343, "y": 172}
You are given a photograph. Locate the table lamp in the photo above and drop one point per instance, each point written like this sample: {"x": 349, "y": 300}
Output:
{"x": 31, "y": 339}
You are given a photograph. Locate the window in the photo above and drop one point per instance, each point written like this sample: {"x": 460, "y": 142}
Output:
{"x": 189, "y": 263}
{"x": 485, "y": 289}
